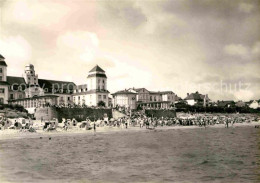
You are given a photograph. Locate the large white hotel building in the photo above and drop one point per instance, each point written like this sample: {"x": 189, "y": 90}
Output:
{"x": 32, "y": 92}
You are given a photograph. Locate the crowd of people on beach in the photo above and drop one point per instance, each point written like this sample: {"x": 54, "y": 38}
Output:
{"x": 137, "y": 120}
{"x": 196, "y": 120}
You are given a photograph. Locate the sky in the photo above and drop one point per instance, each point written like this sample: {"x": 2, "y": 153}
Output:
{"x": 210, "y": 46}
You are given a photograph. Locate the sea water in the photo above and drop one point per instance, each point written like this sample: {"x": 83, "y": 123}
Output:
{"x": 180, "y": 155}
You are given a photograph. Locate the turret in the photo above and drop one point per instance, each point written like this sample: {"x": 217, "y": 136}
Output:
{"x": 29, "y": 75}
{"x": 97, "y": 79}
{"x": 3, "y": 81}
{"x": 3, "y": 68}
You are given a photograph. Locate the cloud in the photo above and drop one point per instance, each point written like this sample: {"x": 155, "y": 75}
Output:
{"x": 244, "y": 95}
{"x": 79, "y": 43}
{"x": 245, "y": 7}
{"x": 124, "y": 13}
{"x": 153, "y": 44}
{"x": 136, "y": 77}
{"x": 236, "y": 50}
{"x": 39, "y": 13}
{"x": 17, "y": 52}
{"x": 256, "y": 48}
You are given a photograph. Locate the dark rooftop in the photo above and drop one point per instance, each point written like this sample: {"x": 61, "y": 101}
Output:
{"x": 3, "y": 63}
{"x": 97, "y": 69}
{"x": 123, "y": 92}
{"x": 50, "y": 85}
{"x": 195, "y": 96}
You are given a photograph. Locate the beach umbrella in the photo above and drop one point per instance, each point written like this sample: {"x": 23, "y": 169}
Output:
{"x": 83, "y": 124}
{"x": 17, "y": 125}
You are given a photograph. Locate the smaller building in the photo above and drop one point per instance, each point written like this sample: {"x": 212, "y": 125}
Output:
{"x": 254, "y": 104}
{"x": 229, "y": 103}
{"x": 3, "y": 81}
{"x": 240, "y": 104}
{"x": 144, "y": 98}
{"x": 197, "y": 99}
{"x": 125, "y": 98}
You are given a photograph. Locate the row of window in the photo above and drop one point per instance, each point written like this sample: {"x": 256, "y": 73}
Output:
{"x": 27, "y": 103}
{"x": 100, "y": 80}
{"x": 100, "y": 97}
{"x": 81, "y": 90}
{"x": 83, "y": 97}
{"x": 103, "y": 87}
{"x": 61, "y": 99}
{"x": 12, "y": 96}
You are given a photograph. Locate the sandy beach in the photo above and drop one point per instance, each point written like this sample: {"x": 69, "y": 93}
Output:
{"x": 16, "y": 134}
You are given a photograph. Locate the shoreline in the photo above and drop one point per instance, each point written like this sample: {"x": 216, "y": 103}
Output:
{"x": 16, "y": 134}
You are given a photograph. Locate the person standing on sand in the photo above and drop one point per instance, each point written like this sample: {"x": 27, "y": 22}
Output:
{"x": 205, "y": 123}
{"x": 226, "y": 125}
{"x": 126, "y": 122}
{"x": 94, "y": 126}
{"x": 147, "y": 124}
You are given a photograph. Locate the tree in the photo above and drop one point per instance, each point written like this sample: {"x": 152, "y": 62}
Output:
{"x": 101, "y": 104}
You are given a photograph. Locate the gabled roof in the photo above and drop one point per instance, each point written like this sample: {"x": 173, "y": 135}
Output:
{"x": 139, "y": 89}
{"x": 50, "y": 85}
{"x": 194, "y": 96}
{"x": 84, "y": 86}
{"x": 90, "y": 92}
{"x": 47, "y": 85}
{"x": 240, "y": 104}
{"x": 97, "y": 69}
{"x": 225, "y": 103}
{"x": 3, "y": 63}
{"x": 15, "y": 80}
{"x": 177, "y": 98}
{"x": 123, "y": 92}
{"x": 161, "y": 92}
{"x": 1, "y": 56}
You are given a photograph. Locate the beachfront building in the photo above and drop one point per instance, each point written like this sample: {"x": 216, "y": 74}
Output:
{"x": 125, "y": 98}
{"x": 144, "y": 98}
{"x": 254, "y": 104}
{"x": 3, "y": 81}
{"x": 95, "y": 91}
{"x": 32, "y": 92}
{"x": 197, "y": 99}
{"x": 227, "y": 103}
{"x": 240, "y": 104}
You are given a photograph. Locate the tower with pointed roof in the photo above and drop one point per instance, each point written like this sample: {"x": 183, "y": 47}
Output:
{"x": 96, "y": 90}
{"x": 3, "y": 83}
{"x": 97, "y": 79}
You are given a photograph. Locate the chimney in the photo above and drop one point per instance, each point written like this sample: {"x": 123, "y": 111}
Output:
{"x": 187, "y": 94}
